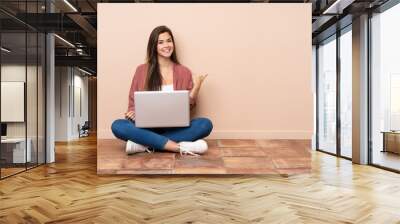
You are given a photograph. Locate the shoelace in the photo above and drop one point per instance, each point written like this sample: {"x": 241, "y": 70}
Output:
{"x": 184, "y": 151}
{"x": 149, "y": 151}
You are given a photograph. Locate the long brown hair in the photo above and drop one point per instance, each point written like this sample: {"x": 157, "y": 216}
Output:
{"x": 153, "y": 79}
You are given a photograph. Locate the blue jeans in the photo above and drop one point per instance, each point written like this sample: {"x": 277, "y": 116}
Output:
{"x": 156, "y": 138}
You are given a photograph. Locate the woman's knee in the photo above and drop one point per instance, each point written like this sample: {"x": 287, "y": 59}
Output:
{"x": 117, "y": 127}
{"x": 206, "y": 125}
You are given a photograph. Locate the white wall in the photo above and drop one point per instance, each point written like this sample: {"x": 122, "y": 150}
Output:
{"x": 79, "y": 117}
{"x": 17, "y": 73}
{"x": 70, "y": 83}
{"x": 62, "y": 81}
{"x": 34, "y": 125}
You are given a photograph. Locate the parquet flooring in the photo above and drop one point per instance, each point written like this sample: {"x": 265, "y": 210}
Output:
{"x": 9, "y": 171}
{"x": 70, "y": 191}
{"x": 386, "y": 159}
{"x": 223, "y": 157}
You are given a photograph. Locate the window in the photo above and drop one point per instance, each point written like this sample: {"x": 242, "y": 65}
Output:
{"x": 385, "y": 88}
{"x": 346, "y": 92}
{"x": 327, "y": 95}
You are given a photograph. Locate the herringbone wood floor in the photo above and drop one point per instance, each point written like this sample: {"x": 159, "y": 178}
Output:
{"x": 69, "y": 191}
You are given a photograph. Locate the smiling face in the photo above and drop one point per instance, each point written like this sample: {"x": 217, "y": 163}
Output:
{"x": 165, "y": 45}
{"x": 161, "y": 45}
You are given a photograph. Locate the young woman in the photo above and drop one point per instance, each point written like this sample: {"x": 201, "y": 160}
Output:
{"x": 162, "y": 72}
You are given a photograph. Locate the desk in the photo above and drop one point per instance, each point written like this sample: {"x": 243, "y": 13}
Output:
{"x": 391, "y": 141}
{"x": 18, "y": 151}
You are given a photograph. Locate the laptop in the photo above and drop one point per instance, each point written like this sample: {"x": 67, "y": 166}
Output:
{"x": 158, "y": 109}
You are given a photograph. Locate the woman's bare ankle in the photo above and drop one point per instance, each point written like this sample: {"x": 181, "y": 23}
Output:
{"x": 171, "y": 146}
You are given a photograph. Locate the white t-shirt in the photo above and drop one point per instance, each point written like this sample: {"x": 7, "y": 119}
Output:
{"x": 167, "y": 88}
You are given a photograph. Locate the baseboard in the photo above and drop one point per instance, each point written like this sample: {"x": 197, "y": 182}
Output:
{"x": 239, "y": 134}
{"x": 248, "y": 134}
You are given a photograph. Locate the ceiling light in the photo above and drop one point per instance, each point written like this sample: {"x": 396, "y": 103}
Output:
{"x": 5, "y": 50}
{"x": 64, "y": 40}
{"x": 70, "y": 5}
{"x": 84, "y": 71}
{"x": 338, "y": 6}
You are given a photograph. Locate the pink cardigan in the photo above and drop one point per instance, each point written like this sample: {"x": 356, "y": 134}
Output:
{"x": 182, "y": 79}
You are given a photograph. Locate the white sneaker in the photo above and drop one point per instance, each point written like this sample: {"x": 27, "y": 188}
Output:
{"x": 193, "y": 148}
{"x": 132, "y": 148}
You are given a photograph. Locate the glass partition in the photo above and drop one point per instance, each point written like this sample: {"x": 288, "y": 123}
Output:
{"x": 13, "y": 98}
{"x": 22, "y": 77}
